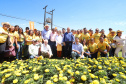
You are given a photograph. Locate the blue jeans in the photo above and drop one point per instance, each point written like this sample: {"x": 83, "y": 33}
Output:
{"x": 88, "y": 56}
{"x": 19, "y": 51}
{"x": 75, "y": 55}
{"x": 32, "y": 57}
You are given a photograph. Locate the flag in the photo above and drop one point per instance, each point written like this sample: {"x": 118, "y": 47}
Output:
{"x": 31, "y": 25}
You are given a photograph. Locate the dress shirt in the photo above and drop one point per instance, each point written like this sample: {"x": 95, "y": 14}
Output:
{"x": 46, "y": 48}
{"x": 78, "y": 47}
{"x": 46, "y": 34}
{"x": 53, "y": 36}
{"x": 33, "y": 50}
{"x": 68, "y": 37}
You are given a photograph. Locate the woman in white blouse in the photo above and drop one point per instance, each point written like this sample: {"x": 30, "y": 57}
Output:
{"x": 120, "y": 44}
{"x": 59, "y": 40}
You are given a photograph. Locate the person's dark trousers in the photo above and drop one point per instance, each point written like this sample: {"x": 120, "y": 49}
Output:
{"x": 68, "y": 49}
{"x": 1, "y": 57}
{"x": 26, "y": 52}
{"x": 53, "y": 48}
{"x": 94, "y": 55}
{"x": 112, "y": 52}
{"x": 63, "y": 51}
{"x": 2, "y": 49}
{"x": 104, "y": 55}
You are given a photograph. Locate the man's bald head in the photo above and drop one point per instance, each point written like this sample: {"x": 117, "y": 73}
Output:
{"x": 68, "y": 29}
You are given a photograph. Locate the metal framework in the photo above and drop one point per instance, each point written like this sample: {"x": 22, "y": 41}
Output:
{"x": 51, "y": 13}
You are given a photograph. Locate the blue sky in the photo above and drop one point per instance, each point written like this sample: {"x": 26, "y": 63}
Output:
{"x": 75, "y": 14}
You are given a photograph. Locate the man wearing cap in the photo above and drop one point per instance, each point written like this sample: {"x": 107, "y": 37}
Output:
{"x": 120, "y": 43}
{"x": 33, "y": 49}
{"x": 68, "y": 39}
{"x": 46, "y": 33}
{"x": 3, "y": 38}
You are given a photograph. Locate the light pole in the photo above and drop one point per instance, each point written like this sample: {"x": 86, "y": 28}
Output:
{"x": 52, "y": 19}
{"x": 45, "y": 15}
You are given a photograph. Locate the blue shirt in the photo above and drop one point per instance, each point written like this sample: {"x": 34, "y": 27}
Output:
{"x": 46, "y": 34}
{"x": 78, "y": 47}
{"x": 68, "y": 37}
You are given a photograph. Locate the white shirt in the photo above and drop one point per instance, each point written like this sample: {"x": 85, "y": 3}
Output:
{"x": 33, "y": 50}
{"x": 59, "y": 39}
{"x": 46, "y": 48}
{"x": 120, "y": 40}
{"x": 78, "y": 47}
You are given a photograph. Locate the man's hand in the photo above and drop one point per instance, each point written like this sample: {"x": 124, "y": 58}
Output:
{"x": 48, "y": 53}
{"x": 81, "y": 56}
{"x": 17, "y": 46}
{"x": 64, "y": 44}
{"x": 118, "y": 43}
{"x": 78, "y": 52}
{"x": 105, "y": 52}
{"x": 36, "y": 57}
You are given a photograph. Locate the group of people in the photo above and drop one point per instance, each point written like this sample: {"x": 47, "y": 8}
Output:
{"x": 53, "y": 43}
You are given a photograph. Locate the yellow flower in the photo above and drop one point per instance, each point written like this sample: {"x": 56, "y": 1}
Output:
{"x": 85, "y": 73}
{"x": 77, "y": 72}
{"x": 68, "y": 82}
{"x": 117, "y": 80}
{"x": 48, "y": 82}
{"x": 7, "y": 75}
{"x": 64, "y": 78}
{"x": 15, "y": 81}
{"x": 26, "y": 81}
{"x": 89, "y": 70}
{"x": 18, "y": 74}
{"x": 40, "y": 76}
{"x": 69, "y": 71}
{"x": 99, "y": 67}
{"x": 3, "y": 79}
{"x": 114, "y": 75}
{"x": 46, "y": 70}
{"x": 109, "y": 68}
{"x": 83, "y": 77}
{"x": 61, "y": 71}
{"x": 92, "y": 75}
{"x": 30, "y": 67}
{"x": 55, "y": 76}
{"x": 60, "y": 75}
{"x": 60, "y": 78}
{"x": 36, "y": 77}
{"x": 95, "y": 82}
{"x": 121, "y": 73}
{"x": 55, "y": 79}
